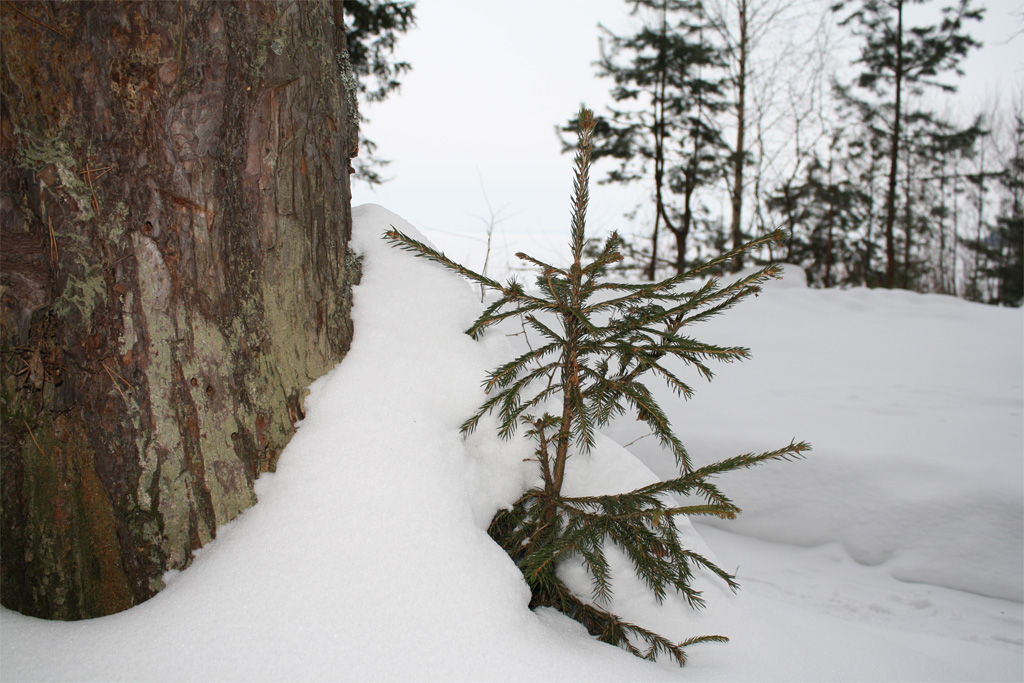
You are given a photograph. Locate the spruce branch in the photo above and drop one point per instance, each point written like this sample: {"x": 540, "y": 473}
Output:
{"x": 545, "y": 268}
{"x": 403, "y": 241}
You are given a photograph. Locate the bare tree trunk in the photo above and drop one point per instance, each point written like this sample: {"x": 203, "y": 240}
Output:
{"x": 175, "y": 211}
{"x": 660, "y": 134}
{"x": 659, "y": 183}
{"x": 894, "y": 148}
{"x": 831, "y": 224}
{"x": 943, "y": 287}
{"x": 682, "y": 231}
{"x": 788, "y": 206}
{"x": 736, "y": 192}
{"x": 954, "y": 281}
{"x": 908, "y": 223}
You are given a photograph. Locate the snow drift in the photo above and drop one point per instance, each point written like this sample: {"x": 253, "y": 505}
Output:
{"x": 914, "y": 406}
{"x": 367, "y": 556}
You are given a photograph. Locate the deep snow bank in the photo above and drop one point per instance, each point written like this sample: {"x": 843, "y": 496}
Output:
{"x": 913, "y": 404}
{"x": 367, "y": 557}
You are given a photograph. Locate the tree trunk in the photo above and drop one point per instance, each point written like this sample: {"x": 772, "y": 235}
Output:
{"x": 908, "y": 223}
{"x": 867, "y": 279}
{"x": 829, "y": 240}
{"x": 894, "y": 149}
{"x": 739, "y": 161}
{"x": 660, "y": 133}
{"x": 175, "y": 211}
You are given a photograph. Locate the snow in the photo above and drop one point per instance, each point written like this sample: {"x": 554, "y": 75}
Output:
{"x": 892, "y": 553}
{"x": 913, "y": 404}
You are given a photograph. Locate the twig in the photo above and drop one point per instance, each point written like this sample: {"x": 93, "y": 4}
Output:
{"x": 101, "y": 171}
{"x": 53, "y": 242}
{"x": 92, "y": 190}
{"x": 638, "y": 439}
{"x": 33, "y": 19}
{"x": 48, "y": 13}
{"x": 33, "y": 436}
{"x": 112, "y": 376}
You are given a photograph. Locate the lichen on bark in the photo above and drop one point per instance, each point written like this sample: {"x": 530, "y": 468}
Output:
{"x": 174, "y": 274}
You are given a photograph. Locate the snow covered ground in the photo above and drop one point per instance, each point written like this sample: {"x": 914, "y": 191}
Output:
{"x": 894, "y": 552}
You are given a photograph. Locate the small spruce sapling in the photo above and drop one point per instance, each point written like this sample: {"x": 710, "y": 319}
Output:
{"x": 606, "y": 337}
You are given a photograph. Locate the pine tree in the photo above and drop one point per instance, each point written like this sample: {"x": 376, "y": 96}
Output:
{"x": 674, "y": 73}
{"x": 599, "y": 339}
{"x": 372, "y": 28}
{"x": 823, "y": 213}
{"x": 868, "y": 163}
{"x": 898, "y": 59}
{"x": 932, "y": 148}
{"x": 944, "y": 149}
{"x": 1003, "y": 247}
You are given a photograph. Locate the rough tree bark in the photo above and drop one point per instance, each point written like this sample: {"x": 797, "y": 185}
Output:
{"x": 175, "y": 210}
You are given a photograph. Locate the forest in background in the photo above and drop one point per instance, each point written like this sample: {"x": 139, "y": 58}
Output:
{"x": 839, "y": 123}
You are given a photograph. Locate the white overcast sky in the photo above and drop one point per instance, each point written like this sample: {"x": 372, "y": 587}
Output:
{"x": 492, "y": 78}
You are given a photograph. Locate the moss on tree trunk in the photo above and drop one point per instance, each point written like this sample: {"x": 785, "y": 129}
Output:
{"x": 175, "y": 211}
